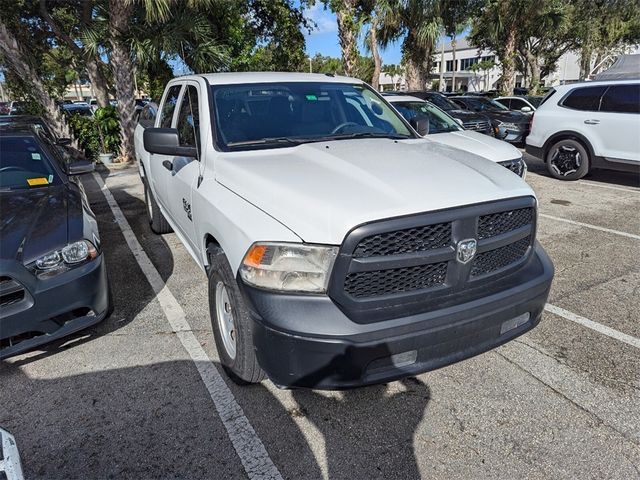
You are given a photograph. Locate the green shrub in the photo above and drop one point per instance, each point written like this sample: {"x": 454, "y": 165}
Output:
{"x": 86, "y": 131}
{"x": 108, "y": 126}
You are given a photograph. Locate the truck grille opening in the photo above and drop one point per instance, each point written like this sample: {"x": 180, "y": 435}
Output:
{"x": 405, "y": 241}
{"x": 409, "y": 264}
{"x": 385, "y": 282}
{"x": 11, "y": 291}
{"x": 503, "y": 222}
{"x": 499, "y": 258}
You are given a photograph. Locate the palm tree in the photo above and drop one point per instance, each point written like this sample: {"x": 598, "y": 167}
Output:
{"x": 418, "y": 21}
{"x": 348, "y": 29}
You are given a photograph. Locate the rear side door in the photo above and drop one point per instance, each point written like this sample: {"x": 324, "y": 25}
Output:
{"x": 620, "y": 122}
{"x": 160, "y": 176}
{"x": 186, "y": 171}
{"x": 580, "y": 113}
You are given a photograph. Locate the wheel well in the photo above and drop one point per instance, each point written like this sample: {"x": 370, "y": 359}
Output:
{"x": 568, "y": 135}
{"x": 210, "y": 241}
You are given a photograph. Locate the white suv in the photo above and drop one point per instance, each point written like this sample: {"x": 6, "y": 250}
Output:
{"x": 588, "y": 125}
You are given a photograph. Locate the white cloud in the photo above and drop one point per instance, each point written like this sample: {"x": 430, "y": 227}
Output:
{"x": 324, "y": 19}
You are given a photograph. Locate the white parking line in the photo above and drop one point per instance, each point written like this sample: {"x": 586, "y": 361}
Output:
{"x": 608, "y": 187}
{"x": 248, "y": 446}
{"x": 598, "y": 327}
{"x": 593, "y": 227}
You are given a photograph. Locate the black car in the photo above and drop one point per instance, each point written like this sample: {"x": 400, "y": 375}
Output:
{"x": 510, "y": 126}
{"x": 470, "y": 120}
{"x": 53, "y": 280}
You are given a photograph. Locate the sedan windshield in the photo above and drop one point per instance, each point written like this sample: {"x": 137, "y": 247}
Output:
{"x": 442, "y": 102}
{"x": 439, "y": 122}
{"x": 285, "y": 114}
{"x": 23, "y": 164}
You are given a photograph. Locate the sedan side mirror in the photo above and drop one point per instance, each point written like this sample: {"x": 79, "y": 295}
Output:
{"x": 526, "y": 109}
{"x": 421, "y": 125}
{"x": 165, "y": 141}
{"x": 79, "y": 167}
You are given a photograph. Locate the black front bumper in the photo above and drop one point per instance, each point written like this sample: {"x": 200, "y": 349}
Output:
{"x": 307, "y": 341}
{"x": 52, "y": 308}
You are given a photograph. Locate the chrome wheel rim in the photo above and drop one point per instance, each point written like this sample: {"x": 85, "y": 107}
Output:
{"x": 226, "y": 322}
{"x": 565, "y": 160}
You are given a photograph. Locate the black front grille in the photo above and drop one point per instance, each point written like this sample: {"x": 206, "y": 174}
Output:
{"x": 499, "y": 258}
{"x": 409, "y": 264}
{"x": 405, "y": 241}
{"x": 385, "y": 282}
{"x": 503, "y": 222}
{"x": 11, "y": 291}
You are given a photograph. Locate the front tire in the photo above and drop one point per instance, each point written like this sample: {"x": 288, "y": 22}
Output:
{"x": 567, "y": 159}
{"x": 157, "y": 221}
{"x": 231, "y": 322}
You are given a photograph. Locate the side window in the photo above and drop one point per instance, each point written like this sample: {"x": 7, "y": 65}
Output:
{"x": 517, "y": 104}
{"x": 188, "y": 119}
{"x": 621, "y": 99}
{"x": 505, "y": 101}
{"x": 169, "y": 106}
{"x": 586, "y": 99}
{"x": 148, "y": 115}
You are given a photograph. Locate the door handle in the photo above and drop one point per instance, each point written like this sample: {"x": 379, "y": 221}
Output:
{"x": 592, "y": 122}
{"x": 168, "y": 165}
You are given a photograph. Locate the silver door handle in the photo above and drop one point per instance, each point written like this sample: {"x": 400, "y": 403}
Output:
{"x": 592, "y": 122}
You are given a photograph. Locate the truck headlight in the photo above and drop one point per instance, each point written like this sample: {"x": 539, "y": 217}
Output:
{"x": 288, "y": 267}
{"x": 61, "y": 260}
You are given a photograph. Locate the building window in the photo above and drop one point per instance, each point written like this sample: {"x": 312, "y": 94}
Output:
{"x": 488, "y": 58}
{"x": 465, "y": 63}
{"x": 450, "y": 65}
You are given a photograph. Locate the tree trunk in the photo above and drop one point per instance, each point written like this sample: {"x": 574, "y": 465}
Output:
{"x": 120, "y": 14}
{"x": 377, "y": 61}
{"x": 534, "y": 67}
{"x": 508, "y": 77}
{"x": 453, "y": 57}
{"x": 347, "y": 35}
{"x": 95, "y": 74}
{"x": 16, "y": 59}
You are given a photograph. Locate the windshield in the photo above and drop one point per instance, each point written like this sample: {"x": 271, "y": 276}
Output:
{"x": 481, "y": 104}
{"x": 23, "y": 164}
{"x": 439, "y": 122}
{"x": 290, "y": 113}
{"x": 442, "y": 102}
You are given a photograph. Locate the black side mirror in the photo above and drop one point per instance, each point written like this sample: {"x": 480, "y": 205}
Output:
{"x": 79, "y": 167}
{"x": 164, "y": 141}
{"x": 421, "y": 125}
{"x": 63, "y": 142}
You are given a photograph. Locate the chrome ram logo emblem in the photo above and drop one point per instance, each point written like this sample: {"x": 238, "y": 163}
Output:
{"x": 466, "y": 250}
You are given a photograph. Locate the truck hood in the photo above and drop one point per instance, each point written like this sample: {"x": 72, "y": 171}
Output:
{"x": 478, "y": 143}
{"x": 322, "y": 190}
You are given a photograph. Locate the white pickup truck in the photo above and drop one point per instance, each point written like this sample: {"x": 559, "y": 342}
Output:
{"x": 341, "y": 248}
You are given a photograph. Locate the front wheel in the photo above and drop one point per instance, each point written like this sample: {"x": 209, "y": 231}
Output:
{"x": 567, "y": 159}
{"x": 231, "y": 322}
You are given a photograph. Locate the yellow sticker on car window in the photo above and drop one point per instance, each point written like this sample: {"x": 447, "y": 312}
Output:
{"x": 34, "y": 182}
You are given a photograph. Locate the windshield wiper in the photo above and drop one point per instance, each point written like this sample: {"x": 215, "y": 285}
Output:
{"x": 393, "y": 136}
{"x": 266, "y": 141}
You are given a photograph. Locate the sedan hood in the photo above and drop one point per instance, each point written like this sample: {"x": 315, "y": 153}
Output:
{"x": 34, "y": 222}
{"x": 322, "y": 190}
{"x": 478, "y": 143}
{"x": 467, "y": 116}
{"x": 507, "y": 116}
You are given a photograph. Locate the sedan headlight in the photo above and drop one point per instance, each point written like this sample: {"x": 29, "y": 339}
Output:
{"x": 288, "y": 267}
{"x": 62, "y": 260}
{"x": 517, "y": 166}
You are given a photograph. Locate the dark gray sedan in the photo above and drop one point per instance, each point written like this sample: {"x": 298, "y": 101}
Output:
{"x": 53, "y": 280}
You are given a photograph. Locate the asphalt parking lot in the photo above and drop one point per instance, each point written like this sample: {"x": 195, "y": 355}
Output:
{"x": 142, "y": 396}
